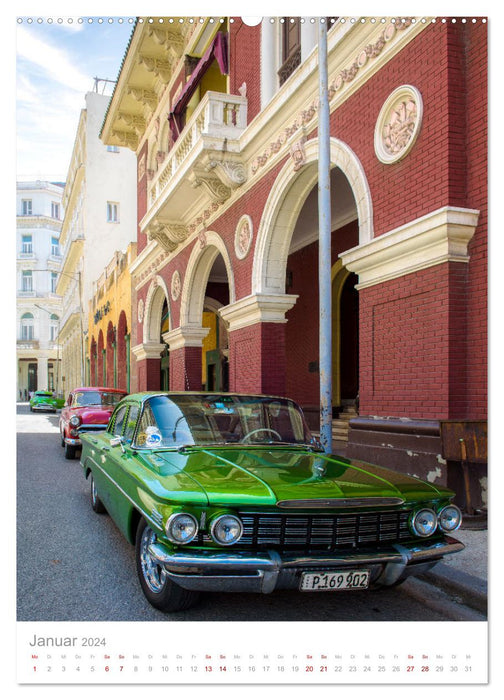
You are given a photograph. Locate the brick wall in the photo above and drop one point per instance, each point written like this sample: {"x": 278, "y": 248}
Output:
{"x": 245, "y": 50}
{"x": 257, "y": 359}
{"x": 413, "y": 345}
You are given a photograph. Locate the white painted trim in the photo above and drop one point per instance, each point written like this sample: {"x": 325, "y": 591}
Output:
{"x": 440, "y": 236}
{"x": 258, "y": 308}
{"x": 148, "y": 351}
{"x": 196, "y": 277}
{"x": 285, "y": 202}
{"x": 185, "y": 337}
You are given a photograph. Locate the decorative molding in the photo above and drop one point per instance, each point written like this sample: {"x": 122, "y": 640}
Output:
{"x": 176, "y": 285}
{"x": 243, "y": 236}
{"x": 439, "y": 237}
{"x": 398, "y": 124}
{"x": 336, "y": 84}
{"x": 168, "y": 234}
{"x": 185, "y": 337}
{"x": 257, "y": 308}
{"x": 140, "y": 310}
{"x": 148, "y": 351}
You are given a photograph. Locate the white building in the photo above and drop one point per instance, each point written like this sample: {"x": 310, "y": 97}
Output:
{"x": 38, "y": 226}
{"x": 100, "y": 203}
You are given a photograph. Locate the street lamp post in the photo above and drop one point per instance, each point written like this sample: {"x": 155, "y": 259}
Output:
{"x": 324, "y": 207}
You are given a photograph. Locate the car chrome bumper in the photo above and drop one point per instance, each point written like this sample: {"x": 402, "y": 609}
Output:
{"x": 263, "y": 572}
{"x": 73, "y": 441}
{"x": 45, "y": 407}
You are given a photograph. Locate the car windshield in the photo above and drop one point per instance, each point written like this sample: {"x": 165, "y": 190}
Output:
{"x": 96, "y": 398}
{"x": 176, "y": 421}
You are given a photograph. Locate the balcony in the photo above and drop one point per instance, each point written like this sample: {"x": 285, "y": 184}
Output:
{"x": 28, "y": 344}
{"x": 200, "y": 172}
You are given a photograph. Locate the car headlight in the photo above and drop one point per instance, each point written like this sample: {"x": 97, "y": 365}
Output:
{"x": 75, "y": 421}
{"x": 424, "y": 522}
{"x": 450, "y": 518}
{"x": 226, "y": 529}
{"x": 181, "y": 528}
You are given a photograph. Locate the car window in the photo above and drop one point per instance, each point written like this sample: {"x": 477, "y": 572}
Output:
{"x": 131, "y": 423}
{"x": 169, "y": 421}
{"x": 118, "y": 421}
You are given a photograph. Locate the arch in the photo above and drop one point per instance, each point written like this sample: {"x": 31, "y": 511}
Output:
{"x": 100, "y": 360}
{"x": 122, "y": 355}
{"x": 93, "y": 357}
{"x": 284, "y": 204}
{"x": 156, "y": 296}
{"x": 111, "y": 340}
{"x": 196, "y": 278}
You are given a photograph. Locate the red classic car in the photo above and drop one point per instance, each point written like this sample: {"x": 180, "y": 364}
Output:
{"x": 86, "y": 408}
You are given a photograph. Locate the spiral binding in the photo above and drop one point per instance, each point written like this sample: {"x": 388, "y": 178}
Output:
{"x": 250, "y": 21}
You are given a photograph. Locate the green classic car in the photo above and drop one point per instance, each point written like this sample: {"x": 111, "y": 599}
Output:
{"x": 226, "y": 492}
{"x": 45, "y": 401}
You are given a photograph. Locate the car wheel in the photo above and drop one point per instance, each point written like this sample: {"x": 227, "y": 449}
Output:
{"x": 161, "y": 593}
{"x": 69, "y": 451}
{"x": 96, "y": 502}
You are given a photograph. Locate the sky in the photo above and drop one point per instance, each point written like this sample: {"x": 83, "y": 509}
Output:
{"x": 56, "y": 63}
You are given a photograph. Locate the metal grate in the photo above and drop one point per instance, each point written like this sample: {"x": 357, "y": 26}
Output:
{"x": 325, "y": 532}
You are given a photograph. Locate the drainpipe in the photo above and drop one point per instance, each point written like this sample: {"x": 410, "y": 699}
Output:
{"x": 324, "y": 206}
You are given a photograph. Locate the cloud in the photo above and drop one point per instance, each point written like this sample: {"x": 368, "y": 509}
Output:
{"x": 50, "y": 60}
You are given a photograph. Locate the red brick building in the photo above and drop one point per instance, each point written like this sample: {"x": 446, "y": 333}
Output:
{"x": 223, "y": 117}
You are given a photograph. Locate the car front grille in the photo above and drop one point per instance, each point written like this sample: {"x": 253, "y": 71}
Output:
{"x": 324, "y": 531}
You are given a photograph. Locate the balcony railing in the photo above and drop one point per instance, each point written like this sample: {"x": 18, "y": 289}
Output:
{"x": 218, "y": 117}
{"x": 28, "y": 344}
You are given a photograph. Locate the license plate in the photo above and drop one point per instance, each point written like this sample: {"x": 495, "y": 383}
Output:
{"x": 334, "y": 580}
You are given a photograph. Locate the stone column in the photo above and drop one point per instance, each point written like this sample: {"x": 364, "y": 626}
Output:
{"x": 185, "y": 345}
{"x": 148, "y": 356}
{"x": 257, "y": 353}
{"x": 42, "y": 369}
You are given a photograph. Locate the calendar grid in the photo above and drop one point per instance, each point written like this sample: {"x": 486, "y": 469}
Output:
{"x": 323, "y": 653}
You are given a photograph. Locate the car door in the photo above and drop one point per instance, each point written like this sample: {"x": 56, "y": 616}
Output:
{"x": 117, "y": 463}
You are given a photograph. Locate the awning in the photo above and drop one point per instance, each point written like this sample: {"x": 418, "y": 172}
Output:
{"x": 218, "y": 49}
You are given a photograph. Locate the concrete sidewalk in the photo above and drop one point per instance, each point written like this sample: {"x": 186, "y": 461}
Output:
{"x": 465, "y": 574}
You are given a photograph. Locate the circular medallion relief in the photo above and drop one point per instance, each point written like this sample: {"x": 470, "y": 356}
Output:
{"x": 176, "y": 285}
{"x": 140, "y": 310}
{"x": 243, "y": 236}
{"x": 398, "y": 124}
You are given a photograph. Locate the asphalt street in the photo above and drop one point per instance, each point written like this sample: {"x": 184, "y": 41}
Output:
{"x": 74, "y": 565}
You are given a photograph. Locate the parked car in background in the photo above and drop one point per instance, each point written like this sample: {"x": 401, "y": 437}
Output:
{"x": 86, "y": 409}
{"x": 45, "y": 401}
{"x": 227, "y": 492}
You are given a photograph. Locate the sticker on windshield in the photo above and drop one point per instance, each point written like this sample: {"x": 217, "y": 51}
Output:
{"x": 153, "y": 437}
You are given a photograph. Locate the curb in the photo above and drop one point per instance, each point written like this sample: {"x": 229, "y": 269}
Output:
{"x": 472, "y": 590}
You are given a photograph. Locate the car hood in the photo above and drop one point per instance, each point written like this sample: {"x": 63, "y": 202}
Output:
{"x": 92, "y": 415}
{"x": 265, "y": 477}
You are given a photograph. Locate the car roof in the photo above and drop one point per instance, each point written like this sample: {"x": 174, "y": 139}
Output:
{"x": 100, "y": 388}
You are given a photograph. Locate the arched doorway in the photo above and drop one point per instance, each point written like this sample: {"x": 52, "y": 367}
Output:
{"x": 101, "y": 361}
{"x": 110, "y": 354}
{"x": 93, "y": 371}
{"x": 122, "y": 353}
{"x": 209, "y": 286}
{"x": 286, "y": 261}
{"x": 165, "y": 355}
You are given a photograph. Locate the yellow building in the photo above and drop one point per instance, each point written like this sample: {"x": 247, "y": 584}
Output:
{"x": 110, "y": 325}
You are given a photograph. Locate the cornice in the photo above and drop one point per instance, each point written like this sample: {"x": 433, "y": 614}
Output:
{"x": 257, "y": 308}
{"x": 438, "y": 237}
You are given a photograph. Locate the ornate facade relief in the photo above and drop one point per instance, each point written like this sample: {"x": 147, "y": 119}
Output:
{"x": 176, "y": 285}
{"x": 243, "y": 236}
{"x": 167, "y": 234}
{"x": 398, "y": 124}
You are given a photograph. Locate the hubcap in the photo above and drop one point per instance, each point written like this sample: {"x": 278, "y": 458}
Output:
{"x": 153, "y": 574}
